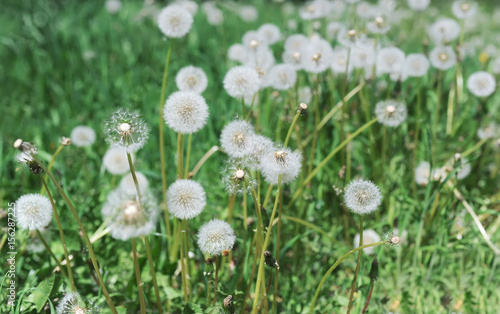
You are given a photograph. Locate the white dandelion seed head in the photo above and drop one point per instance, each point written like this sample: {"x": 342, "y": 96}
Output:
{"x": 315, "y": 10}
{"x": 339, "y": 61}
{"x": 238, "y": 52}
{"x": 270, "y": 33}
{"x": 293, "y": 58}
{"x": 463, "y": 168}
{"x": 126, "y": 218}
{"x": 390, "y": 61}
{"x": 318, "y": 56}
{"x": 191, "y": 6}
{"x": 281, "y": 161}
{"x": 391, "y": 112}
{"x": 261, "y": 58}
{"x": 296, "y": 42}
{"x": 248, "y": 13}
{"x": 82, "y": 136}
{"x": 488, "y": 131}
{"x": 175, "y": 21}
{"x": 185, "y": 112}
{"x": 351, "y": 38}
{"x": 115, "y": 160}
{"x": 235, "y": 179}
{"x": 362, "y": 196}
{"x": 364, "y": 10}
{"x": 113, "y": 6}
{"x": 444, "y": 31}
{"x": 418, "y": 5}
{"x": 481, "y": 84}
{"x": 72, "y": 303}
{"x": 234, "y": 138}
{"x": 403, "y": 236}
{"x": 127, "y": 129}
{"x": 380, "y": 24}
{"x": 282, "y": 76}
{"x": 33, "y": 211}
{"x": 253, "y": 40}
{"x": 191, "y": 78}
{"x": 387, "y": 5}
{"x": 241, "y": 81}
{"x": 443, "y": 57}
{"x": 333, "y": 29}
{"x": 128, "y": 185}
{"x": 216, "y": 236}
{"x": 423, "y": 173}
{"x": 369, "y": 236}
{"x": 214, "y": 16}
{"x": 464, "y": 9}
{"x": 416, "y": 65}
{"x": 186, "y": 199}
{"x": 362, "y": 57}
{"x": 257, "y": 146}
{"x": 305, "y": 94}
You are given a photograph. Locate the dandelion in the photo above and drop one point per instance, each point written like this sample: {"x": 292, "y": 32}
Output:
{"x": 333, "y": 29}
{"x": 443, "y": 57}
{"x": 186, "y": 199}
{"x": 113, "y": 6}
{"x": 262, "y": 59}
{"x": 191, "y": 6}
{"x": 128, "y": 185}
{"x": 215, "y": 237}
{"x": 126, "y": 218}
{"x": 282, "y": 161}
{"x": 296, "y": 42}
{"x": 282, "y": 76}
{"x": 416, "y": 65}
{"x": 362, "y": 196}
{"x": 115, "y": 160}
{"x": 481, "y": 84}
{"x": 241, "y": 81}
{"x": 418, "y": 5}
{"x": 235, "y": 178}
{"x": 248, "y": 13}
{"x": 215, "y": 16}
{"x": 82, "y": 136}
{"x": 72, "y": 303}
{"x": 391, "y": 112}
{"x": 185, "y": 112}
{"x": 362, "y": 57}
{"x": 444, "y": 31}
{"x": 315, "y": 10}
{"x": 463, "y": 168}
{"x": 253, "y": 40}
{"x": 390, "y": 60}
{"x": 270, "y": 33}
{"x": 364, "y": 10}
{"x": 369, "y": 236}
{"x": 305, "y": 94}
{"x": 257, "y": 146}
{"x": 33, "y": 211}
{"x": 234, "y": 138}
{"x": 294, "y": 58}
{"x": 126, "y": 129}
{"x": 175, "y": 21}
{"x": 422, "y": 173}
{"x": 350, "y": 38}
{"x": 318, "y": 56}
{"x": 379, "y": 25}
{"x": 339, "y": 64}
{"x": 487, "y": 132}
{"x": 191, "y": 78}
{"x": 238, "y": 52}
{"x": 464, "y": 9}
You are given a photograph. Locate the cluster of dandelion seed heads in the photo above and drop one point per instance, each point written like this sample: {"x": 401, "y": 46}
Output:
{"x": 234, "y": 138}
{"x": 82, "y": 136}
{"x": 281, "y": 161}
{"x": 256, "y": 147}
{"x": 362, "y": 196}
{"x": 191, "y": 78}
{"x": 186, "y": 199}
{"x": 391, "y": 112}
{"x": 185, "y": 112}
{"x": 33, "y": 211}
{"x": 126, "y": 218}
{"x": 215, "y": 237}
{"x": 175, "y": 21}
{"x": 369, "y": 236}
{"x": 127, "y": 129}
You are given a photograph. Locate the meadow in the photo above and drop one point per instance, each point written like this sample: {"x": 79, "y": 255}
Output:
{"x": 250, "y": 156}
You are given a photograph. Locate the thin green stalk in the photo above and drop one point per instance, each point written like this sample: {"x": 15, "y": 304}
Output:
{"x": 188, "y": 155}
{"x": 180, "y": 154}
{"x": 417, "y": 135}
{"x": 47, "y": 247}
{"x": 216, "y": 283}
{"x": 61, "y": 234}
{"x": 84, "y": 233}
{"x": 153, "y": 274}
{"x": 138, "y": 277}
{"x": 289, "y": 134}
{"x": 450, "y": 111}
{"x": 243, "y": 107}
{"x": 360, "y": 252}
{"x": 337, "y": 263}
{"x": 344, "y": 109}
{"x": 162, "y": 145}
{"x": 475, "y": 147}
{"x": 183, "y": 265}
{"x": 51, "y": 163}
{"x": 278, "y": 239}
{"x": 202, "y": 161}
{"x": 440, "y": 79}
{"x": 245, "y": 212}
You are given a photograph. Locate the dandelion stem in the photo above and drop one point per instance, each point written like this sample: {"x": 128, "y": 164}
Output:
{"x": 203, "y": 159}
{"x": 84, "y": 233}
{"x": 473, "y": 148}
{"x": 61, "y": 234}
{"x": 277, "y": 253}
{"x": 183, "y": 266}
{"x": 216, "y": 283}
{"x": 360, "y": 252}
{"x": 51, "y": 163}
{"x": 47, "y": 247}
{"x": 153, "y": 274}
{"x": 337, "y": 263}
{"x": 138, "y": 276}
{"x": 289, "y": 134}
{"x": 450, "y": 110}
{"x": 180, "y": 154}
{"x": 188, "y": 155}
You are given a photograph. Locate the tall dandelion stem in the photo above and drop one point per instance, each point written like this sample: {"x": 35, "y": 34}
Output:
{"x": 180, "y": 154}
{"x": 183, "y": 265}
{"x": 188, "y": 155}
{"x": 138, "y": 276}
{"x": 360, "y": 252}
{"x": 153, "y": 274}
{"x": 47, "y": 247}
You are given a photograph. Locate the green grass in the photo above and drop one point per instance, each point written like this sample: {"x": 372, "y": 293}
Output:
{"x": 48, "y": 87}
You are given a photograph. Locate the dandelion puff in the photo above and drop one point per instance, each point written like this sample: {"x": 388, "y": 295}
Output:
{"x": 115, "y": 160}
{"x": 215, "y": 16}
{"x": 481, "y": 84}
{"x": 282, "y": 76}
{"x": 216, "y": 236}
{"x": 333, "y": 29}
{"x": 488, "y": 131}
{"x": 305, "y": 94}
{"x": 235, "y": 178}
{"x": 391, "y": 112}
{"x": 339, "y": 64}
{"x": 390, "y": 60}
{"x": 72, "y": 303}
{"x": 241, "y": 81}
{"x": 33, "y": 211}
{"x": 318, "y": 56}
{"x": 191, "y": 78}
{"x": 443, "y": 57}
{"x": 126, "y": 129}
{"x": 362, "y": 57}
{"x": 416, "y": 65}
{"x": 296, "y": 42}
{"x": 270, "y": 32}
{"x": 257, "y": 146}
{"x": 248, "y": 13}
{"x": 113, "y": 6}
{"x": 294, "y": 58}
{"x": 351, "y": 38}
{"x": 422, "y": 173}
{"x": 128, "y": 185}
{"x": 369, "y": 236}
{"x": 444, "y": 31}
{"x": 126, "y": 218}
{"x": 379, "y": 25}
{"x": 185, "y": 112}
{"x": 191, "y": 6}
{"x": 253, "y": 40}
{"x": 186, "y": 199}
{"x": 281, "y": 161}
{"x": 175, "y": 21}
{"x": 82, "y": 136}
{"x": 362, "y": 196}
{"x": 418, "y": 5}
{"x": 260, "y": 59}
{"x": 234, "y": 138}
{"x": 238, "y": 52}
{"x": 464, "y": 9}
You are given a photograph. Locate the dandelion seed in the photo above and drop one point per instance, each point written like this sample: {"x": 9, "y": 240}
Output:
{"x": 391, "y": 112}
{"x": 481, "y": 84}
{"x": 191, "y": 78}
{"x": 282, "y": 76}
{"x": 175, "y": 21}
{"x": 443, "y": 58}
{"x": 186, "y": 199}
{"x": 82, "y": 136}
{"x": 115, "y": 160}
{"x": 33, "y": 211}
{"x": 281, "y": 161}
{"x": 126, "y": 218}
{"x": 305, "y": 94}
{"x": 241, "y": 81}
{"x": 234, "y": 138}
{"x": 369, "y": 236}
{"x": 362, "y": 197}
{"x": 185, "y": 112}
{"x": 215, "y": 237}
{"x": 128, "y": 185}
{"x": 126, "y": 129}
